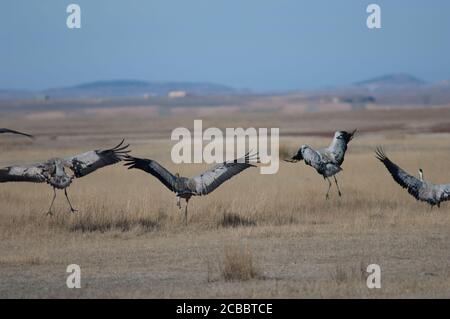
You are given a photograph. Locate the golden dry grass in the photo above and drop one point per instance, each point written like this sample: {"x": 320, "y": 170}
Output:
{"x": 275, "y": 231}
{"x": 238, "y": 263}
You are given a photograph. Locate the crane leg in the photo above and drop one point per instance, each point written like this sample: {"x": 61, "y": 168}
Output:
{"x": 178, "y": 202}
{"x": 72, "y": 210}
{"x": 51, "y": 205}
{"x": 329, "y": 187}
{"x": 337, "y": 185}
{"x": 186, "y": 212}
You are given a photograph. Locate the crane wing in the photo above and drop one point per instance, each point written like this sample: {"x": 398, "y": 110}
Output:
{"x": 209, "y": 180}
{"x": 36, "y": 173}
{"x": 154, "y": 168}
{"x": 297, "y": 157}
{"x": 6, "y": 130}
{"x": 405, "y": 180}
{"x": 305, "y": 153}
{"x": 313, "y": 158}
{"x": 85, "y": 163}
{"x": 338, "y": 147}
{"x": 444, "y": 192}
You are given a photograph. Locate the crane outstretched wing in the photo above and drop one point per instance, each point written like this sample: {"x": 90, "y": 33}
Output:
{"x": 209, "y": 180}
{"x": 7, "y": 130}
{"x": 154, "y": 168}
{"x": 85, "y": 163}
{"x": 405, "y": 180}
{"x": 36, "y": 173}
{"x": 444, "y": 192}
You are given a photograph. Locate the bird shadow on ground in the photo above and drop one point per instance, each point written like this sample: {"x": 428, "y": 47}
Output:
{"x": 88, "y": 224}
{"x": 235, "y": 220}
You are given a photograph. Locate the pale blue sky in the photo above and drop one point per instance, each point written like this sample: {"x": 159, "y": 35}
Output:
{"x": 257, "y": 44}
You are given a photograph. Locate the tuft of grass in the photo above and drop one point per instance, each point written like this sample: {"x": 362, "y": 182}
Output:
{"x": 235, "y": 220}
{"x": 341, "y": 275}
{"x": 21, "y": 260}
{"x": 239, "y": 264}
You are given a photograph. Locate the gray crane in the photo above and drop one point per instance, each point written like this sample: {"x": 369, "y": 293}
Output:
{"x": 53, "y": 171}
{"x": 200, "y": 185}
{"x": 419, "y": 188}
{"x": 327, "y": 161}
{"x": 7, "y": 130}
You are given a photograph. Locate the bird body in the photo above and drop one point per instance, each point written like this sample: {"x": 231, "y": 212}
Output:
{"x": 55, "y": 171}
{"x": 419, "y": 188}
{"x": 199, "y": 185}
{"x": 321, "y": 161}
{"x": 326, "y": 161}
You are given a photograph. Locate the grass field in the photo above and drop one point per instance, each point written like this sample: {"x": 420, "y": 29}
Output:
{"x": 266, "y": 236}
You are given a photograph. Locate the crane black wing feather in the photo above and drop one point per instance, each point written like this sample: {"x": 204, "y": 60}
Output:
{"x": 7, "y": 130}
{"x": 411, "y": 183}
{"x": 154, "y": 168}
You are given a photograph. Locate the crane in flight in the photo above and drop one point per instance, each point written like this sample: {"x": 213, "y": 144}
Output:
{"x": 419, "y": 188}
{"x": 53, "y": 171}
{"x": 327, "y": 161}
{"x": 200, "y": 185}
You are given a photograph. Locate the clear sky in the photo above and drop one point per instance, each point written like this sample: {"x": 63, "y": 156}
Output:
{"x": 257, "y": 44}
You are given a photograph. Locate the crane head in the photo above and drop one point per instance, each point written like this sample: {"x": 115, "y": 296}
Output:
{"x": 420, "y": 174}
{"x": 343, "y": 135}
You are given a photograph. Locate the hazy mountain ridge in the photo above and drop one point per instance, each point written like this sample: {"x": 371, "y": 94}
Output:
{"x": 392, "y": 90}
{"x": 135, "y": 88}
{"x": 400, "y": 80}
{"x": 120, "y": 88}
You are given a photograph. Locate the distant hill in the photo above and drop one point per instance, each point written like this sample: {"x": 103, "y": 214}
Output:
{"x": 392, "y": 90}
{"x": 132, "y": 88}
{"x": 396, "y": 89}
{"x": 120, "y": 88}
{"x": 391, "y": 81}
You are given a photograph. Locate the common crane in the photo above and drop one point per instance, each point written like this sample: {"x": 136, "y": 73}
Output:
{"x": 419, "y": 188}
{"x": 53, "y": 171}
{"x": 7, "y": 130}
{"x": 200, "y": 185}
{"x": 326, "y": 161}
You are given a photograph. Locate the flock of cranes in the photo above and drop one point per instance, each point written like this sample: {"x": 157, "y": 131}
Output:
{"x": 60, "y": 172}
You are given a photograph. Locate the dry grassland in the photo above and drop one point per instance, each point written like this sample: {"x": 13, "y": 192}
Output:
{"x": 266, "y": 236}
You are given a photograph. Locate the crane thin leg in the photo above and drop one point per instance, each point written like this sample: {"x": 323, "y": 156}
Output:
{"x": 339, "y": 191}
{"x": 329, "y": 186}
{"x": 51, "y": 205}
{"x": 186, "y": 212}
{"x": 72, "y": 210}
